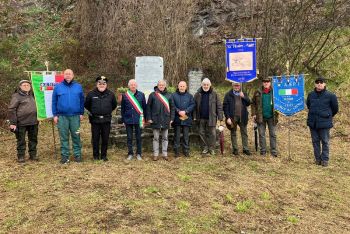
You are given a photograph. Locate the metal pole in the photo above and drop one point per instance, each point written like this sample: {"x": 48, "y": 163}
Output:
{"x": 289, "y": 157}
{"x": 52, "y": 123}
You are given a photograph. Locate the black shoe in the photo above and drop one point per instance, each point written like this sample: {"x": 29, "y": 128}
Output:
{"x": 324, "y": 163}
{"x": 105, "y": 159}
{"x": 318, "y": 162}
{"x": 64, "y": 161}
{"x": 78, "y": 160}
{"x": 274, "y": 155}
{"x": 263, "y": 153}
{"x": 33, "y": 158}
{"x": 247, "y": 152}
{"x": 21, "y": 160}
{"x": 235, "y": 152}
{"x": 187, "y": 154}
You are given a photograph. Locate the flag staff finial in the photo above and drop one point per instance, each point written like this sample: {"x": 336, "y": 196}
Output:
{"x": 47, "y": 65}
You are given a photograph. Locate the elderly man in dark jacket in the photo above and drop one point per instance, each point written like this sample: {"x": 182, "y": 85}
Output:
{"x": 161, "y": 112}
{"x": 134, "y": 113}
{"x": 100, "y": 103}
{"x": 208, "y": 111}
{"x": 23, "y": 118}
{"x": 184, "y": 106}
{"x": 236, "y": 113}
{"x": 323, "y": 106}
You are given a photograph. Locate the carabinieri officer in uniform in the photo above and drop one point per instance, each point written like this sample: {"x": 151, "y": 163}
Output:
{"x": 100, "y": 102}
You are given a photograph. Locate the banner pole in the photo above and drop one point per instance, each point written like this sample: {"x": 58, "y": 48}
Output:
{"x": 54, "y": 138}
{"x": 289, "y": 157}
{"x": 52, "y": 123}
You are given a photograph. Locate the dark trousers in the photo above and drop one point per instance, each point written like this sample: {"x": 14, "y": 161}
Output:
{"x": 319, "y": 136}
{"x": 100, "y": 131}
{"x": 185, "y": 139}
{"x": 207, "y": 134}
{"x": 32, "y": 140}
{"x": 244, "y": 136}
{"x": 129, "y": 132}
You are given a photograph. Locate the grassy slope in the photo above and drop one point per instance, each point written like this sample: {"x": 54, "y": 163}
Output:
{"x": 195, "y": 195}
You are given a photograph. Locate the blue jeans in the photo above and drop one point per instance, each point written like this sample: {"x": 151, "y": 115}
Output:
{"x": 129, "y": 132}
{"x": 319, "y": 136}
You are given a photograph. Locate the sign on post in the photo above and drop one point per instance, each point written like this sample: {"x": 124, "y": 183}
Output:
{"x": 148, "y": 71}
{"x": 241, "y": 60}
{"x": 288, "y": 94}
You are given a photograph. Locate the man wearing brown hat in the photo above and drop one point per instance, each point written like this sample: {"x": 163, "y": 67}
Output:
{"x": 322, "y": 105}
{"x": 23, "y": 118}
{"x": 264, "y": 114}
{"x": 236, "y": 114}
{"x": 100, "y": 102}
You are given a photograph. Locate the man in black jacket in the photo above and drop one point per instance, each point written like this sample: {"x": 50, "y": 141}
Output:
{"x": 184, "y": 106}
{"x": 322, "y": 105}
{"x": 100, "y": 102}
{"x": 161, "y": 114}
{"x": 236, "y": 113}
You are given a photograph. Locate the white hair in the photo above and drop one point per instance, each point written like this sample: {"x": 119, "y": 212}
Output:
{"x": 162, "y": 81}
{"x": 131, "y": 81}
{"x": 206, "y": 81}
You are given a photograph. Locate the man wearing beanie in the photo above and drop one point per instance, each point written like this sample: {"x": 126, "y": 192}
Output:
{"x": 322, "y": 105}
{"x": 68, "y": 111}
{"x": 100, "y": 102}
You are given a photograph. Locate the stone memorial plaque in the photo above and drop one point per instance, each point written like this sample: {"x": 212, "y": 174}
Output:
{"x": 194, "y": 80}
{"x": 148, "y": 71}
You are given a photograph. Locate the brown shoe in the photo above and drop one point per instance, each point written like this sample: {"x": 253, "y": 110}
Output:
{"x": 324, "y": 163}
{"x": 155, "y": 158}
{"x": 166, "y": 158}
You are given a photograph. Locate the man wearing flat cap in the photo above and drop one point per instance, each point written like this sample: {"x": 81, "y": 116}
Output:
{"x": 236, "y": 114}
{"x": 100, "y": 102}
{"x": 323, "y": 106}
{"x": 264, "y": 114}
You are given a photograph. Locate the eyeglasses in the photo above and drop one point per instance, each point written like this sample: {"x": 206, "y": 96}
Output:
{"x": 101, "y": 83}
{"x": 318, "y": 82}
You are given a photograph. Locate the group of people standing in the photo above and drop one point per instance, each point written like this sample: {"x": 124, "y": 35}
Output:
{"x": 161, "y": 111}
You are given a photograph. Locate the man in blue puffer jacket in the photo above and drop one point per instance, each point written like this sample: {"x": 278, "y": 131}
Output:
{"x": 134, "y": 114}
{"x": 322, "y": 105}
{"x": 68, "y": 111}
{"x": 184, "y": 106}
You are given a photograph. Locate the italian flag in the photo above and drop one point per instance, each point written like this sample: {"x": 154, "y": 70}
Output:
{"x": 283, "y": 92}
{"x": 43, "y": 84}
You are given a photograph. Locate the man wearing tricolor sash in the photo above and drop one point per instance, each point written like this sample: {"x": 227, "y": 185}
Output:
{"x": 134, "y": 113}
{"x": 264, "y": 114}
{"x": 161, "y": 112}
{"x": 68, "y": 111}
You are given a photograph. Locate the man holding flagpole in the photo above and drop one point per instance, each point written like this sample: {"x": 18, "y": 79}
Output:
{"x": 134, "y": 113}
{"x": 161, "y": 112}
{"x": 68, "y": 111}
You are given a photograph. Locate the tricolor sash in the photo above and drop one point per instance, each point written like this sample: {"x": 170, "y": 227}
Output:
{"x": 135, "y": 103}
{"x": 163, "y": 100}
